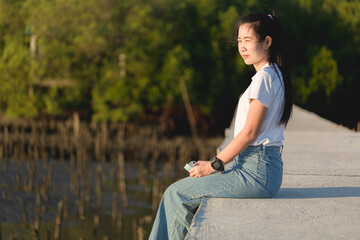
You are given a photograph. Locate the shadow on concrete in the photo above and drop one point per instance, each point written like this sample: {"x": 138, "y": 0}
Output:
{"x": 325, "y": 192}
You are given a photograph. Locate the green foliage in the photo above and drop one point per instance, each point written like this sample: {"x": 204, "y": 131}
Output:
{"x": 325, "y": 73}
{"x": 324, "y": 80}
{"x": 114, "y": 98}
{"x": 116, "y": 60}
{"x": 52, "y": 105}
{"x": 174, "y": 70}
{"x": 16, "y": 96}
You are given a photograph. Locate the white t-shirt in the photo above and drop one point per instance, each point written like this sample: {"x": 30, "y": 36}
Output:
{"x": 268, "y": 88}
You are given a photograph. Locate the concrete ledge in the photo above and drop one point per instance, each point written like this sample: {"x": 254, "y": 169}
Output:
{"x": 319, "y": 198}
{"x": 281, "y": 218}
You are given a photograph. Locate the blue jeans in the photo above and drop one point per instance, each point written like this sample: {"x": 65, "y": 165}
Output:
{"x": 256, "y": 173}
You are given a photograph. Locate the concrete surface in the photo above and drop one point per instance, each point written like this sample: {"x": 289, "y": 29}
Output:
{"x": 319, "y": 198}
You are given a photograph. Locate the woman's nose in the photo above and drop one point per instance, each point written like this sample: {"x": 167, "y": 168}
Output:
{"x": 241, "y": 47}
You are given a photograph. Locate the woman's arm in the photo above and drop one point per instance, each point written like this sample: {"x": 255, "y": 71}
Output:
{"x": 247, "y": 135}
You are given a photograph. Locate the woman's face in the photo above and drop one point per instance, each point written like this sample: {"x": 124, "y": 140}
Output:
{"x": 251, "y": 50}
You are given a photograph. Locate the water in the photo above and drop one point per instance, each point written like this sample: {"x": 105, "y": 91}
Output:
{"x": 145, "y": 183}
{"x": 69, "y": 179}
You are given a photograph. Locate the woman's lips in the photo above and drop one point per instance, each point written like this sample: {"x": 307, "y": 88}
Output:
{"x": 245, "y": 56}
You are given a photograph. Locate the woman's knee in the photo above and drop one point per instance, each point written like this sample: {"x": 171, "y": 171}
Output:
{"x": 171, "y": 192}
{"x": 177, "y": 192}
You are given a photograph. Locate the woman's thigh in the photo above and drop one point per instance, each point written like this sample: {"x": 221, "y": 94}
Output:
{"x": 256, "y": 173}
{"x": 234, "y": 183}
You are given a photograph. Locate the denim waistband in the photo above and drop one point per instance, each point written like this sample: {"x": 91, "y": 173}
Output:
{"x": 264, "y": 148}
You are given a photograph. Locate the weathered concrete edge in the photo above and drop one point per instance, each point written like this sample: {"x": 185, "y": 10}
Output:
{"x": 193, "y": 222}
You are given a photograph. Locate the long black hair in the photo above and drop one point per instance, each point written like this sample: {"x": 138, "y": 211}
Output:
{"x": 270, "y": 25}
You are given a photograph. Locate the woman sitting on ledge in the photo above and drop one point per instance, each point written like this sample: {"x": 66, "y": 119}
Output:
{"x": 263, "y": 111}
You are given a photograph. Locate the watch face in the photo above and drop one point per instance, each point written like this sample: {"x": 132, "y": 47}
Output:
{"x": 216, "y": 164}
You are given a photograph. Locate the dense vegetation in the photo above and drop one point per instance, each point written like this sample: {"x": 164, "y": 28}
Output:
{"x": 123, "y": 60}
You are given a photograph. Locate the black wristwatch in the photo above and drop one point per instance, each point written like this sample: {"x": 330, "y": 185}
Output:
{"x": 217, "y": 164}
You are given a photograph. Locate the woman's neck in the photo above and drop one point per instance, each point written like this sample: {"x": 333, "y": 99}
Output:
{"x": 260, "y": 65}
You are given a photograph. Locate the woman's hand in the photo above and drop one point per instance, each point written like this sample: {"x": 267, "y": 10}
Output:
{"x": 201, "y": 169}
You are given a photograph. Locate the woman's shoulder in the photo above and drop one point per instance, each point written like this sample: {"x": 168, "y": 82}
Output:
{"x": 268, "y": 73}
{"x": 271, "y": 69}
{"x": 264, "y": 74}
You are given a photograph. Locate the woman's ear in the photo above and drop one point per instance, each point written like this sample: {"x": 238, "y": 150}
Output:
{"x": 268, "y": 42}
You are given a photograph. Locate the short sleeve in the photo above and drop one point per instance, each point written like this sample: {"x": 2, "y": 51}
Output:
{"x": 261, "y": 88}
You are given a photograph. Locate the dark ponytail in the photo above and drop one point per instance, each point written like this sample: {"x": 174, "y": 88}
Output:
{"x": 270, "y": 25}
